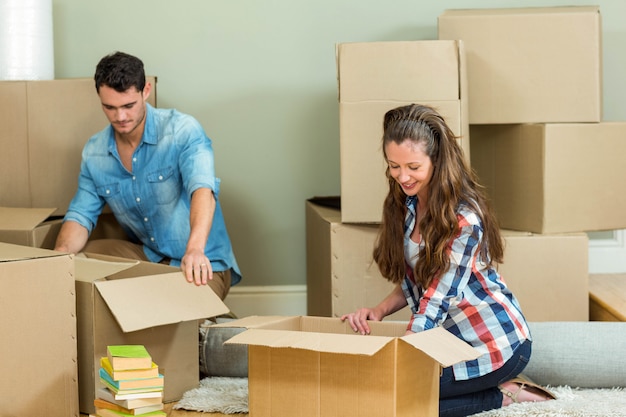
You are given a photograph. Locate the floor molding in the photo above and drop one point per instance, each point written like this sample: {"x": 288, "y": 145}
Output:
{"x": 271, "y": 300}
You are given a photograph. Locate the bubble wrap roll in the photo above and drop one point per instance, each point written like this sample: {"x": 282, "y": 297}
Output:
{"x": 26, "y": 40}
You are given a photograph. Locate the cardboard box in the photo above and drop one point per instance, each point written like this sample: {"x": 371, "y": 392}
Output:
{"x": 43, "y": 128}
{"x": 375, "y": 77}
{"x": 38, "y": 322}
{"x": 29, "y": 227}
{"x": 554, "y": 178}
{"x": 530, "y": 65}
{"x": 314, "y": 367}
{"x": 341, "y": 274}
{"x": 548, "y": 274}
{"x": 124, "y": 302}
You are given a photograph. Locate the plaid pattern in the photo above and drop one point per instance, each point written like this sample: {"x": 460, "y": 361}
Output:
{"x": 470, "y": 299}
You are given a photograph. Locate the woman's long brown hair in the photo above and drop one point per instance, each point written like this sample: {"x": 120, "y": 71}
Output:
{"x": 453, "y": 182}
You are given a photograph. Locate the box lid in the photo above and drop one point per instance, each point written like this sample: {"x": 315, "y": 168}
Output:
{"x": 147, "y": 301}
{"x": 143, "y": 296}
{"x": 13, "y": 218}
{"x": 10, "y": 252}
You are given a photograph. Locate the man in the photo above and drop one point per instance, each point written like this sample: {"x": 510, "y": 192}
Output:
{"x": 155, "y": 170}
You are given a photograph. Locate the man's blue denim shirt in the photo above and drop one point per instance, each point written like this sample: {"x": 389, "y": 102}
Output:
{"x": 174, "y": 158}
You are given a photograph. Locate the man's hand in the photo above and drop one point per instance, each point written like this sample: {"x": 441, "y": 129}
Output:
{"x": 196, "y": 267}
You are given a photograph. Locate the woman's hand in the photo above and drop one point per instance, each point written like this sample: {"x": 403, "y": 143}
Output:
{"x": 358, "y": 319}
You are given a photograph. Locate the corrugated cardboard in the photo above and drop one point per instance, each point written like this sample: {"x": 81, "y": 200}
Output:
{"x": 44, "y": 126}
{"x": 375, "y": 77}
{"x": 124, "y": 302}
{"x": 548, "y": 274}
{"x": 530, "y": 65}
{"x": 315, "y": 367}
{"x": 554, "y": 178}
{"x": 29, "y": 227}
{"x": 38, "y": 322}
{"x": 341, "y": 274}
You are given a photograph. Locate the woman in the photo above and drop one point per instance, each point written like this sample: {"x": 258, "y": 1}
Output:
{"x": 438, "y": 242}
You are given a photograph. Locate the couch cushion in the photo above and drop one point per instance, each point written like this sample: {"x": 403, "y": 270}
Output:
{"x": 578, "y": 354}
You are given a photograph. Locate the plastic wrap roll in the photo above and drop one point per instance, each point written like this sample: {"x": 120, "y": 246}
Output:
{"x": 26, "y": 40}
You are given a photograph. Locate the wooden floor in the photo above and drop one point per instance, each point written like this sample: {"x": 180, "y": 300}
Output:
{"x": 183, "y": 413}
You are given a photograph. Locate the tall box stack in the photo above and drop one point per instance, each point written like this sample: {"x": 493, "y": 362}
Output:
{"x": 538, "y": 139}
{"x": 374, "y": 77}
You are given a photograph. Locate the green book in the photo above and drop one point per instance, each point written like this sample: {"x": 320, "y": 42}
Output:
{"x": 124, "y": 357}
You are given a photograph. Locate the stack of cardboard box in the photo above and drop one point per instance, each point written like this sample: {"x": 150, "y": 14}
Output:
{"x": 552, "y": 167}
{"x": 529, "y": 87}
{"x": 61, "y": 311}
{"x": 373, "y": 78}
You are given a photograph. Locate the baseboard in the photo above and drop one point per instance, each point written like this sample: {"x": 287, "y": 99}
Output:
{"x": 275, "y": 300}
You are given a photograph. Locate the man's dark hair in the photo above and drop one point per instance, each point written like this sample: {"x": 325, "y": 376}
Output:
{"x": 120, "y": 71}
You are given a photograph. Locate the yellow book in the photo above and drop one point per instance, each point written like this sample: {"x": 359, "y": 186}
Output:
{"x": 101, "y": 404}
{"x": 152, "y": 372}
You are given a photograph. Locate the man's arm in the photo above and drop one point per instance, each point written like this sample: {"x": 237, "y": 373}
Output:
{"x": 195, "y": 264}
{"x": 72, "y": 237}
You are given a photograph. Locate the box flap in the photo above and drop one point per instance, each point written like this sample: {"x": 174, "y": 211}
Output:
{"x": 155, "y": 300}
{"x": 431, "y": 341}
{"x": 89, "y": 270}
{"x": 252, "y": 322}
{"x": 10, "y": 252}
{"x": 320, "y": 342}
{"x": 12, "y": 218}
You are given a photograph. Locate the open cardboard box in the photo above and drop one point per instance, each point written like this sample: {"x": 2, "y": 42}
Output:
{"x": 29, "y": 226}
{"x": 133, "y": 302}
{"x": 38, "y": 322}
{"x": 317, "y": 366}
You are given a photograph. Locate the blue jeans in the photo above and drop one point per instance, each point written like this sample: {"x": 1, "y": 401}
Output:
{"x": 464, "y": 398}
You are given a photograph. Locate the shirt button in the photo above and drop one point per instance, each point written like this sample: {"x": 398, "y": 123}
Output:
{"x": 145, "y": 219}
{"x": 160, "y": 177}
{"x": 152, "y": 239}
{"x": 134, "y": 159}
{"x": 138, "y": 199}
{"x": 134, "y": 178}
{"x": 108, "y": 191}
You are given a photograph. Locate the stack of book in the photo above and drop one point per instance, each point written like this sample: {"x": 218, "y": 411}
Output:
{"x": 132, "y": 383}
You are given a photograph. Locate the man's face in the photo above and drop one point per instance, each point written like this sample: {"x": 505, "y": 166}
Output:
{"x": 126, "y": 111}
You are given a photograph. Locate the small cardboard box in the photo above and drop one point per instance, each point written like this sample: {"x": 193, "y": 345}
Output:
{"x": 314, "y": 367}
{"x": 29, "y": 227}
{"x": 535, "y": 174}
{"x": 375, "y": 77}
{"x": 125, "y": 302}
{"x": 341, "y": 274}
{"x": 45, "y": 125}
{"x": 548, "y": 274}
{"x": 530, "y": 65}
{"x": 38, "y": 322}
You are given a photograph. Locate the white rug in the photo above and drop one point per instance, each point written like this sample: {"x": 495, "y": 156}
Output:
{"x": 217, "y": 395}
{"x": 570, "y": 402}
{"x": 230, "y": 396}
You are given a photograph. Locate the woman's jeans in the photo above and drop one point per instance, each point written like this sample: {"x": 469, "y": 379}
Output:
{"x": 464, "y": 398}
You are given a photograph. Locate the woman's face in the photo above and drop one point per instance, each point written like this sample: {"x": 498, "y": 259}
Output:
{"x": 410, "y": 167}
